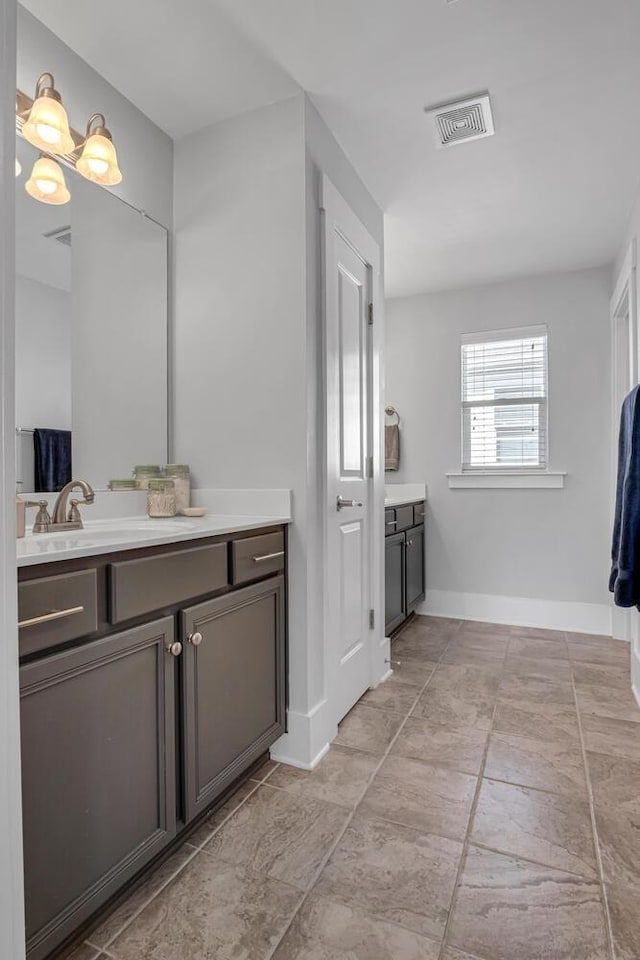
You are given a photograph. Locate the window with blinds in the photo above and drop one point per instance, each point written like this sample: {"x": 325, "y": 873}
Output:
{"x": 504, "y": 400}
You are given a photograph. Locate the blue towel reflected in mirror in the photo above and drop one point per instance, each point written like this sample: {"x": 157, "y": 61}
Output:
{"x": 52, "y": 459}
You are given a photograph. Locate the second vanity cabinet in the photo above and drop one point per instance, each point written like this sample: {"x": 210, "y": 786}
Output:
{"x": 404, "y": 562}
{"x": 133, "y": 731}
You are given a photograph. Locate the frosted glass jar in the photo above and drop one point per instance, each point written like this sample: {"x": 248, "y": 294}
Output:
{"x": 181, "y": 476}
{"x": 161, "y": 498}
{"x": 143, "y": 473}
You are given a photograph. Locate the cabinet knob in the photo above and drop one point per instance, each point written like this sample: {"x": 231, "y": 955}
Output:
{"x": 175, "y": 648}
{"x": 195, "y": 638}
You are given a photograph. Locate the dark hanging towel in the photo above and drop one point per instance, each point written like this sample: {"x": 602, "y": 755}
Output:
{"x": 52, "y": 459}
{"x": 624, "y": 581}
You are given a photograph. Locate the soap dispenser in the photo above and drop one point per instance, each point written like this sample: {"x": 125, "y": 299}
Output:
{"x": 21, "y": 509}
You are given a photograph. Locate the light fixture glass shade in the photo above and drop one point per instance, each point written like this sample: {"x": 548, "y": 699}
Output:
{"x": 18, "y": 167}
{"x": 47, "y": 183}
{"x": 98, "y": 161}
{"x": 47, "y": 126}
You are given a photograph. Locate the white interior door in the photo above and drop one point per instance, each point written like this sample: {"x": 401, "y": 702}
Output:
{"x": 348, "y": 486}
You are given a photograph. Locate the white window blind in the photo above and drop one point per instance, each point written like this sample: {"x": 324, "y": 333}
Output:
{"x": 504, "y": 400}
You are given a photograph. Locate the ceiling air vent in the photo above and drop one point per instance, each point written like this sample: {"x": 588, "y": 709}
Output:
{"x": 463, "y": 120}
{"x": 62, "y": 235}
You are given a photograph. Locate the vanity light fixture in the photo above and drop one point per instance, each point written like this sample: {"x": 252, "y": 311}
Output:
{"x": 47, "y": 126}
{"x": 47, "y": 182}
{"x": 98, "y": 161}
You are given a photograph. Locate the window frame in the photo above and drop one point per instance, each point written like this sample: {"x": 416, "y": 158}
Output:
{"x": 501, "y": 469}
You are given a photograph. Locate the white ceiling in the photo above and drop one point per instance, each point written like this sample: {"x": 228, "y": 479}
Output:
{"x": 551, "y": 191}
{"x": 180, "y": 61}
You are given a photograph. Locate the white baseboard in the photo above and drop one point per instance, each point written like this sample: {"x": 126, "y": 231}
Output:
{"x": 383, "y": 679}
{"x": 520, "y": 611}
{"x": 307, "y": 739}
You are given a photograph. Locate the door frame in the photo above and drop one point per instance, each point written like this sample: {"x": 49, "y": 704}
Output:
{"x": 623, "y": 304}
{"x": 11, "y": 880}
{"x": 338, "y": 216}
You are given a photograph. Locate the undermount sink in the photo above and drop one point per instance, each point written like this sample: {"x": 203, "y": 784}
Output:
{"x": 113, "y": 530}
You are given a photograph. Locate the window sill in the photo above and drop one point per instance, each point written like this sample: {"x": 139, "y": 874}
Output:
{"x": 506, "y": 481}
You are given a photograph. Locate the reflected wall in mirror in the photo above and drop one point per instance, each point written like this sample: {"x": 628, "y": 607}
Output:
{"x": 91, "y": 334}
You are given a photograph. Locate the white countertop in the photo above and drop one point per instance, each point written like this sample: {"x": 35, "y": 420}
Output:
{"x": 131, "y": 533}
{"x": 396, "y": 494}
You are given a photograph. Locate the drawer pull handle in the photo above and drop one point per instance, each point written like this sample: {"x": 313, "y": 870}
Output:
{"x": 195, "y": 638}
{"x": 391, "y": 523}
{"x": 268, "y": 556}
{"x": 175, "y": 648}
{"x": 48, "y": 617}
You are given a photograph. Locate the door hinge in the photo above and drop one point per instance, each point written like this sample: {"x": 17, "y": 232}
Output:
{"x": 370, "y": 468}
{"x": 370, "y": 318}
{"x": 372, "y": 619}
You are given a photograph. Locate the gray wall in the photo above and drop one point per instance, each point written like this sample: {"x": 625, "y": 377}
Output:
{"x": 118, "y": 349}
{"x": 239, "y": 296}
{"x": 43, "y": 355}
{"x": 546, "y": 544}
{"x": 240, "y": 417}
{"x": 632, "y": 233}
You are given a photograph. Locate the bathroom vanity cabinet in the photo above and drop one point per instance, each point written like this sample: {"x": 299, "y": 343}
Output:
{"x": 404, "y": 562}
{"x": 132, "y": 730}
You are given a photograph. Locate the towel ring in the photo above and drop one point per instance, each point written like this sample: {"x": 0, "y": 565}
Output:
{"x": 392, "y": 412}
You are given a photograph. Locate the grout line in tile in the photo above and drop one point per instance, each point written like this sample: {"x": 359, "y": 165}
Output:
{"x": 528, "y": 786}
{"x": 196, "y": 850}
{"x": 594, "y": 829}
{"x": 467, "y": 838}
{"x": 592, "y": 877}
{"x": 568, "y": 741}
{"x": 306, "y": 797}
{"x": 352, "y": 813}
{"x": 258, "y": 784}
{"x": 264, "y": 779}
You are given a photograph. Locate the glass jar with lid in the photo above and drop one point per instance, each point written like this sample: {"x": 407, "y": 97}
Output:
{"x": 161, "y": 498}
{"x": 145, "y": 472}
{"x": 181, "y": 476}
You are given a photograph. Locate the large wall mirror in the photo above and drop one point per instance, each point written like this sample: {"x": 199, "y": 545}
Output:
{"x": 91, "y": 333}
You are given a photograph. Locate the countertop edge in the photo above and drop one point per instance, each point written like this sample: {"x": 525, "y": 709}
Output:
{"x": 393, "y": 502}
{"x": 217, "y": 526}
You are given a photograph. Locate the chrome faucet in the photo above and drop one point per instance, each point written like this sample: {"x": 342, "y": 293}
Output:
{"x": 61, "y": 520}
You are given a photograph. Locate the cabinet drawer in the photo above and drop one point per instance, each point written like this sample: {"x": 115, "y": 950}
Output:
{"x": 254, "y": 557}
{"x": 389, "y": 522}
{"x": 53, "y": 610}
{"x": 154, "y": 583}
{"x": 404, "y": 518}
{"x": 418, "y": 514}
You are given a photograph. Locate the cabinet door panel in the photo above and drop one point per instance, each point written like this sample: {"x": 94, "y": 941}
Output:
{"x": 233, "y": 687}
{"x": 394, "y": 560}
{"x": 415, "y": 568}
{"x": 98, "y": 774}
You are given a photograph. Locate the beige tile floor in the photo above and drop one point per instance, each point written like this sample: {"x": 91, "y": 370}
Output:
{"x": 483, "y": 804}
